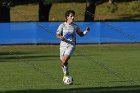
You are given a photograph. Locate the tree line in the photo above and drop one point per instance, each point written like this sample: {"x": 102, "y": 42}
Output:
{"x": 45, "y": 7}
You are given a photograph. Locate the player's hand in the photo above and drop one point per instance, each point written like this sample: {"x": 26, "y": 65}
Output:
{"x": 62, "y": 38}
{"x": 87, "y": 29}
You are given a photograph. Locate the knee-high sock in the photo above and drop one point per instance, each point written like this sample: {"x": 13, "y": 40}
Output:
{"x": 65, "y": 68}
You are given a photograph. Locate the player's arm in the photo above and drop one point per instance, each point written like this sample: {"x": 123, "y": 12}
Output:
{"x": 80, "y": 33}
{"x": 59, "y": 32}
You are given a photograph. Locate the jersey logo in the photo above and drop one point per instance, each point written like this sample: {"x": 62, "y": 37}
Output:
{"x": 68, "y": 35}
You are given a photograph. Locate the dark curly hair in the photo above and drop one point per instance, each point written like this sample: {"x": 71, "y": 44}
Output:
{"x": 68, "y": 12}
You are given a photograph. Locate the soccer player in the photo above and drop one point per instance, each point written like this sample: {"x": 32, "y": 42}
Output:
{"x": 66, "y": 32}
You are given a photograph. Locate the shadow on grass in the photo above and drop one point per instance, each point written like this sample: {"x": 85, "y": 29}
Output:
{"x": 7, "y": 56}
{"x": 10, "y": 57}
{"x": 121, "y": 89}
{"x": 13, "y": 56}
{"x": 26, "y": 57}
{"x": 10, "y": 53}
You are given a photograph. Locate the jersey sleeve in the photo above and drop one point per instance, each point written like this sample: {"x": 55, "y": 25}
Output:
{"x": 78, "y": 31}
{"x": 77, "y": 27}
{"x": 60, "y": 30}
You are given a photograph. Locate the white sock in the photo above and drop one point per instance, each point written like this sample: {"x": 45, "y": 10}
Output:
{"x": 65, "y": 70}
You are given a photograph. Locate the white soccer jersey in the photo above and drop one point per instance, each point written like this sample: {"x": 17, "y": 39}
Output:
{"x": 69, "y": 32}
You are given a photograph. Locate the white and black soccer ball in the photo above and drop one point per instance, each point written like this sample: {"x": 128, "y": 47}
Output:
{"x": 68, "y": 80}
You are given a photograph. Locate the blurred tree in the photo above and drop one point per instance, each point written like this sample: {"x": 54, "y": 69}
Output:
{"x": 5, "y": 11}
{"x": 22, "y": 2}
{"x": 44, "y": 10}
{"x": 89, "y": 13}
{"x": 111, "y": 1}
{"x": 91, "y": 8}
{"x": 45, "y": 6}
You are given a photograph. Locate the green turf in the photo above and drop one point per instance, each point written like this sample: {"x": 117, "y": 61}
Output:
{"x": 32, "y": 68}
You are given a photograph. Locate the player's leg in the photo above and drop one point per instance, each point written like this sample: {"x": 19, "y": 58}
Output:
{"x": 64, "y": 63}
{"x": 66, "y": 56}
{"x": 62, "y": 59}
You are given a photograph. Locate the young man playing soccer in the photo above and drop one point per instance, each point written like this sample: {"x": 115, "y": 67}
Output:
{"x": 66, "y": 32}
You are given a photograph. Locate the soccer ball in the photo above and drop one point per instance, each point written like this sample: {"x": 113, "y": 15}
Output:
{"x": 68, "y": 80}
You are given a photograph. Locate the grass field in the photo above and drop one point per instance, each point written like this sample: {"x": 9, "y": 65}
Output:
{"x": 95, "y": 68}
